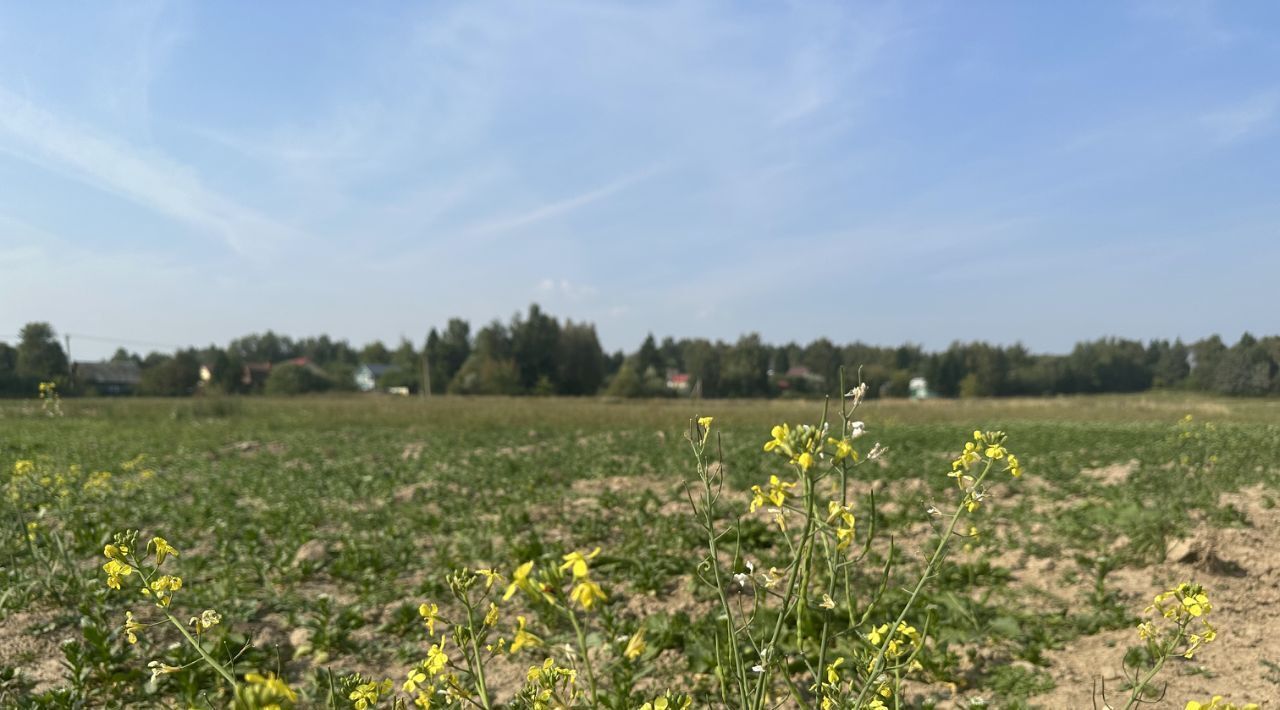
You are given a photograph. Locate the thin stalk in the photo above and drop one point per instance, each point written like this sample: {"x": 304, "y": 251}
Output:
{"x": 478, "y": 666}
{"x": 877, "y": 665}
{"x": 222, "y": 670}
{"x": 709, "y": 523}
{"x": 586, "y": 658}
{"x": 1135, "y": 697}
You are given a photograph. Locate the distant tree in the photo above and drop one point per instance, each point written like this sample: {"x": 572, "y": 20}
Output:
{"x": 613, "y": 362}
{"x": 626, "y": 383}
{"x": 580, "y": 360}
{"x": 8, "y": 358}
{"x": 822, "y": 358}
{"x": 1205, "y": 355}
{"x": 174, "y": 376}
{"x": 40, "y": 355}
{"x": 746, "y": 368}
{"x": 1246, "y": 369}
{"x": 649, "y": 358}
{"x": 122, "y": 355}
{"x": 1170, "y": 363}
{"x": 401, "y": 377}
{"x": 291, "y": 379}
{"x": 535, "y": 344}
{"x": 407, "y": 359}
{"x": 482, "y": 374}
{"x": 671, "y": 354}
{"x": 447, "y": 352}
{"x": 946, "y": 370}
{"x": 494, "y": 342}
{"x": 702, "y": 361}
{"x": 375, "y": 353}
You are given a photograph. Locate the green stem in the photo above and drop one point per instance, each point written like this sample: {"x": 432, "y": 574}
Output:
{"x": 477, "y": 666}
{"x": 877, "y": 665}
{"x": 586, "y": 658}
{"x": 709, "y": 523}
{"x": 1135, "y": 697}
{"x": 221, "y": 669}
{"x": 787, "y": 604}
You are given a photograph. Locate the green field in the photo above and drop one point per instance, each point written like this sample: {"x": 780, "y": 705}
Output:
{"x": 316, "y": 527}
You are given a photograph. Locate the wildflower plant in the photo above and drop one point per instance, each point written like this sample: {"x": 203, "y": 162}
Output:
{"x": 140, "y": 566}
{"x": 807, "y": 616}
{"x": 50, "y": 401}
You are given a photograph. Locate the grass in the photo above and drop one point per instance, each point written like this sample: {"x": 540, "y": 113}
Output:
{"x": 317, "y": 525}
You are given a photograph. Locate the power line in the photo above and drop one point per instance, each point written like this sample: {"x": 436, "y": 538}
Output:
{"x": 125, "y": 341}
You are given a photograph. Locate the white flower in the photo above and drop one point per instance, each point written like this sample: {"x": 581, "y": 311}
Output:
{"x": 857, "y": 429}
{"x": 876, "y": 452}
{"x": 751, "y": 567}
{"x": 757, "y": 668}
{"x": 740, "y": 578}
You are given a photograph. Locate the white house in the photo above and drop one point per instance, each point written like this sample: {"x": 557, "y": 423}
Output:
{"x": 366, "y": 376}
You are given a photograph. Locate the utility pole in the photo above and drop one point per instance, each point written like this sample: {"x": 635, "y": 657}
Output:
{"x": 70, "y": 370}
{"x": 426, "y": 375}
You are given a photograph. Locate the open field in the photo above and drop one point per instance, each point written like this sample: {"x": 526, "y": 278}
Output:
{"x": 316, "y": 527}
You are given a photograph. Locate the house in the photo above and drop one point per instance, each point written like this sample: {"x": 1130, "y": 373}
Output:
{"x": 366, "y": 376}
{"x": 678, "y": 382}
{"x": 918, "y": 388}
{"x": 255, "y": 375}
{"x": 107, "y": 378}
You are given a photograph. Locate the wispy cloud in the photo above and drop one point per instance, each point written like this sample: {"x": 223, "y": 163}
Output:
{"x": 565, "y": 288}
{"x": 1244, "y": 120}
{"x": 561, "y": 207}
{"x": 59, "y": 144}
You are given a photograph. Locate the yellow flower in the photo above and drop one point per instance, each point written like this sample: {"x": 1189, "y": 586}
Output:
{"x": 704, "y": 425}
{"x": 1013, "y": 466}
{"x": 587, "y": 593}
{"x": 162, "y": 549}
{"x": 522, "y": 637}
{"x": 207, "y": 620}
{"x": 491, "y": 617}
{"x": 519, "y": 580}
{"x": 116, "y": 569}
{"x": 635, "y": 646}
{"x": 781, "y": 433}
{"x": 367, "y": 694}
{"x": 272, "y": 685}
{"x": 833, "y": 675}
{"x": 163, "y": 587}
{"x": 490, "y": 577}
{"x": 577, "y": 562}
{"x": 847, "y": 523}
{"x": 844, "y": 450}
{"x": 777, "y": 493}
{"x": 413, "y": 678}
{"x": 131, "y": 627}
{"x": 1196, "y": 604}
{"x": 436, "y": 659}
{"x": 430, "y": 613}
{"x": 805, "y": 461}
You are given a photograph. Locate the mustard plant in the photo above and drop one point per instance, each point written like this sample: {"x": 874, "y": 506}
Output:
{"x": 804, "y": 615}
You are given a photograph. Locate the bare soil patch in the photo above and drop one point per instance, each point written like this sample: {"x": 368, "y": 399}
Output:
{"x": 1240, "y": 567}
{"x": 27, "y": 644}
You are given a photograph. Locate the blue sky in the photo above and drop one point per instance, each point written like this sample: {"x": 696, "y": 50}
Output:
{"x": 185, "y": 173}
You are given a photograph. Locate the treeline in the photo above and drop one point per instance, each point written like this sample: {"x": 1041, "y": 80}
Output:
{"x": 535, "y": 353}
